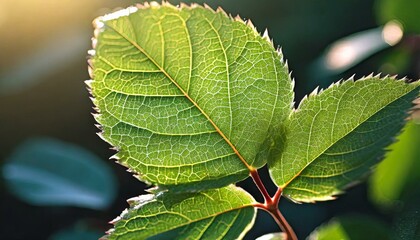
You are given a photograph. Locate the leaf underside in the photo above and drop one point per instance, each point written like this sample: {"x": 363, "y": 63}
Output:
{"x": 225, "y": 213}
{"x": 335, "y": 138}
{"x": 191, "y": 98}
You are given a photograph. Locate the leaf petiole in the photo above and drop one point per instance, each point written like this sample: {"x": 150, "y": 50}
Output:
{"x": 271, "y": 205}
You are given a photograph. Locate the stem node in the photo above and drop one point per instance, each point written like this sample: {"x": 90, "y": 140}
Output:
{"x": 271, "y": 205}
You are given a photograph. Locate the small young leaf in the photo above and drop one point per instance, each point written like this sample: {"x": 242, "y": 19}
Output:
{"x": 225, "y": 213}
{"x": 335, "y": 137}
{"x": 188, "y": 95}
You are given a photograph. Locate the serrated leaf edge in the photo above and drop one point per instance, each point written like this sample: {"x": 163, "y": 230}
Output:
{"x": 137, "y": 202}
{"x": 318, "y": 92}
{"x": 98, "y": 25}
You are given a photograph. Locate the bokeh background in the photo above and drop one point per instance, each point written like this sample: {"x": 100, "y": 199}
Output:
{"x": 56, "y": 181}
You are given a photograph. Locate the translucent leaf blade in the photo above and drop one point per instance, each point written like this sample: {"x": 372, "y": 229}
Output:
{"x": 225, "y": 213}
{"x": 188, "y": 94}
{"x": 334, "y": 138}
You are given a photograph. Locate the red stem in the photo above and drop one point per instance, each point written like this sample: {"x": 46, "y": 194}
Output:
{"x": 284, "y": 225}
{"x": 271, "y": 206}
{"x": 257, "y": 180}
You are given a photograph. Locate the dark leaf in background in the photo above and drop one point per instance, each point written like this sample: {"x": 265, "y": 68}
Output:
{"x": 49, "y": 172}
{"x": 351, "y": 228}
{"x": 404, "y": 11}
{"x": 75, "y": 234}
{"x": 399, "y": 171}
{"x": 407, "y": 223}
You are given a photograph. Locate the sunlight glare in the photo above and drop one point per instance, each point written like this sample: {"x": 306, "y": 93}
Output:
{"x": 392, "y": 33}
{"x": 3, "y": 16}
{"x": 120, "y": 13}
{"x": 341, "y": 54}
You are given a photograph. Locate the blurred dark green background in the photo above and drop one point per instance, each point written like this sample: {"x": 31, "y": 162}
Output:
{"x": 46, "y": 125}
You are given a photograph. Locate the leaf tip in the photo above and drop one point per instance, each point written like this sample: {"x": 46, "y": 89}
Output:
{"x": 183, "y": 5}
{"x": 314, "y": 92}
{"x": 265, "y": 34}
{"x": 96, "y": 116}
{"x": 99, "y": 126}
{"x": 208, "y": 8}
{"x": 97, "y": 24}
{"x": 89, "y": 84}
{"x": 142, "y": 5}
{"x": 114, "y": 157}
{"x": 194, "y": 5}
{"x": 220, "y": 10}
{"x": 251, "y": 25}
{"x": 154, "y": 4}
{"x": 101, "y": 136}
{"x": 239, "y": 19}
{"x": 115, "y": 220}
{"x": 266, "y": 37}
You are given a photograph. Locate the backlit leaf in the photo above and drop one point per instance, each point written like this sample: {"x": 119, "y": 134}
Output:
{"x": 335, "y": 137}
{"x": 225, "y": 213}
{"x": 188, "y": 96}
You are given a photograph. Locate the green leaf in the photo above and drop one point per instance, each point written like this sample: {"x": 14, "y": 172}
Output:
{"x": 400, "y": 170}
{"x": 335, "y": 137}
{"x": 225, "y": 213}
{"x": 47, "y": 172}
{"x": 188, "y": 95}
{"x": 351, "y": 228}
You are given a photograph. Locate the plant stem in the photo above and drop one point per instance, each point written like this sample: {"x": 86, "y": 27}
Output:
{"x": 257, "y": 180}
{"x": 271, "y": 205}
{"x": 284, "y": 225}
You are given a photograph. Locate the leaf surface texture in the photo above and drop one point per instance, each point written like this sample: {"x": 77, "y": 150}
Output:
{"x": 190, "y": 97}
{"x": 225, "y": 213}
{"x": 334, "y": 138}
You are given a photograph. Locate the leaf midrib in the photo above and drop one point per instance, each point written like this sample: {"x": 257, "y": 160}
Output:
{"x": 142, "y": 50}
{"x": 322, "y": 152}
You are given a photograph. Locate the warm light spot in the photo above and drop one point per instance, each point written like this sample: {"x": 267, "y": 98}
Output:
{"x": 353, "y": 49}
{"x": 2, "y": 15}
{"x": 91, "y": 52}
{"x": 97, "y": 23}
{"x": 392, "y": 32}
{"x": 341, "y": 54}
